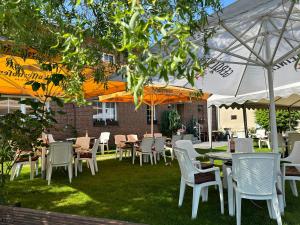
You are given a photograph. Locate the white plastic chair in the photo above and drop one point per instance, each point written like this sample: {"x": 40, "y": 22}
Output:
{"x": 104, "y": 138}
{"x": 83, "y": 142}
{"x": 198, "y": 179}
{"x": 157, "y": 135}
{"x": 188, "y": 137}
{"x": 132, "y": 138}
{"x": 24, "y": 158}
{"x": 292, "y": 138}
{"x": 262, "y": 138}
{"x": 291, "y": 171}
{"x": 240, "y": 134}
{"x": 192, "y": 153}
{"x": 175, "y": 138}
{"x": 148, "y": 136}
{"x": 254, "y": 176}
{"x": 120, "y": 145}
{"x": 90, "y": 157}
{"x": 244, "y": 145}
{"x": 50, "y": 138}
{"x": 60, "y": 155}
{"x": 145, "y": 149}
{"x": 159, "y": 144}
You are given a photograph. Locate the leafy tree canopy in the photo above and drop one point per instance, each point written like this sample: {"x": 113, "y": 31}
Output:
{"x": 141, "y": 30}
{"x": 282, "y": 119}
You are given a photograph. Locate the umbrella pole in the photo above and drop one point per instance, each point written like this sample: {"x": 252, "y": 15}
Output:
{"x": 152, "y": 119}
{"x": 269, "y": 67}
{"x": 245, "y": 121}
{"x": 209, "y": 125}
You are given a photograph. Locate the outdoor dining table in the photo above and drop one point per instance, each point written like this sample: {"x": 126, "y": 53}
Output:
{"x": 224, "y": 156}
{"x": 131, "y": 144}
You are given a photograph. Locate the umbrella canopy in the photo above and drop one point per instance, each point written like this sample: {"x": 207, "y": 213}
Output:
{"x": 254, "y": 49}
{"x": 285, "y": 97}
{"x": 155, "y": 95}
{"x": 13, "y": 82}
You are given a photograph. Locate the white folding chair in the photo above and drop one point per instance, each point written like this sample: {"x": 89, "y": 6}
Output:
{"x": 104, "y": 138}
{"x": 89, "y": 156}
{"x": 198, "y": 179}
{"x": 145, "y": 149}
{"x": 254, "y": 176}
{"x": 60, "y": 155}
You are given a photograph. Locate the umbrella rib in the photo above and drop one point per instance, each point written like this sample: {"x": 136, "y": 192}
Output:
{"x": 288, "y": 55}
{"x": 284, "y": 37}
{"x": 282, "y": 32}
{"x": 243, "y": 43}
{"x": 237, "y": 90}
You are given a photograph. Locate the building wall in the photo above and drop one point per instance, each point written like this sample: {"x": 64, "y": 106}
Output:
{"x": 129, "y": 120}
{"x": 233, "y": 119}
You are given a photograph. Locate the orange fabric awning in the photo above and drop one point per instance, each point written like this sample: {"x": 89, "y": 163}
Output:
{"x": 156, "y": 94}
{"x": 13, "y": 83}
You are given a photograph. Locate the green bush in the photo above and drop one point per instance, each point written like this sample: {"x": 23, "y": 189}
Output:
{"x": 170, "y": 122}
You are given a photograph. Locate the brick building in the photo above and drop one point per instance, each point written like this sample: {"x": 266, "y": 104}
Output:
{"x": 122, "y": 118}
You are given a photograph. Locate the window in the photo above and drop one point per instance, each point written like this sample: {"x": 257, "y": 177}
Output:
{"x": 149, "y": 115}
{"x": 104, "y": 112}
{"x": 11, "y": 104}
{"x": 108, "y": 58}
{"x": 233, "y": 117}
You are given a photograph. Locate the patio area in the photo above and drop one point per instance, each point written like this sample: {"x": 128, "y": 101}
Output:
{"x": 147, "y": 194}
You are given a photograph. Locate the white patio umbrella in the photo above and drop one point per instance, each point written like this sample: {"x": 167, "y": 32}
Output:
{"x": 254, "y": 49}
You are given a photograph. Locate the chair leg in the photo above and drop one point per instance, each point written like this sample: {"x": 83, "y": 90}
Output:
{"x": 13, "y": 172}
{"x": 19, "y": 169}
{"x": 270, "y": 209}
{"x": 294, "y": 187}
{"x": 283, "y": 191}
{"x": 238, "y": 200}
{"x": 196, "y": 196}
{"x": 32, "y": 165}
{"x": 121, "y": 154}
{"x": 49, "y": 174}
{"x": 181, "y": 192}
{"x": 276, "y": 209}
{"x": 90, "y": 161}
{"x": 70, "y": 169}
{"x": 141, "y": 159}
{"x": 37, "y": 167}
{"x": 151, "y": 160}
{"x": 172, "y": 154}
{"x": 204, "y": 194}
{"x": 133, "y": 157}
{"x": 76, "y": 166}
{"x": 95, "y": 164}
{"x": 221, "y": 195}
{"x": 164, "y": 154}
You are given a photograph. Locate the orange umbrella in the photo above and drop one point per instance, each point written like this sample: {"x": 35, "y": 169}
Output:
{"x": 14, "y": 83}
{"x": 157, "y": 94}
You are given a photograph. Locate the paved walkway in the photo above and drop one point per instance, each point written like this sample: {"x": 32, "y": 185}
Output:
{"x": 22, "y": 216}
{"x": 206, "y": 145}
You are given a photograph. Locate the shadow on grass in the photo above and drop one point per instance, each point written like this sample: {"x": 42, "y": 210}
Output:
{"x": 147, "y": 194}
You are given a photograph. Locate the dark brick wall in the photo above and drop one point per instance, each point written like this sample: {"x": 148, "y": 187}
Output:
{"x": 129, "y": 120}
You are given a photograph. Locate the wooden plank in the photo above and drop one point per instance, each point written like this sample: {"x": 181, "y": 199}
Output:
{"x": 15, "y": 215}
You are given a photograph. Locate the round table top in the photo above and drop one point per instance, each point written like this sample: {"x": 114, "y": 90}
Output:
{"x": 219, "y": 155}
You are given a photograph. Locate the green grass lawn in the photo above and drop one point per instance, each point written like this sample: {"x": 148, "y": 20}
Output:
{"x": 147, "y": 194}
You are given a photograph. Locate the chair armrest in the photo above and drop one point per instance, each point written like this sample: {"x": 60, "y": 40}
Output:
{"x": 213, "y": 169}
{"x": 291, "y": 164}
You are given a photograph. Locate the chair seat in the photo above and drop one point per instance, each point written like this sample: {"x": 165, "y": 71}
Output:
{"x": 201, "y": 178}
{"x": 86, "y": 155}
{"x": 292, "y": 171}
{"x": 206, "y": 165}
{"x": 26, "y": 159}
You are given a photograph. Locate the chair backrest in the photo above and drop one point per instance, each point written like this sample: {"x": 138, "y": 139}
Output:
{"x": 188, "y": 146}
{"x": 159, "y": 144}
{"x": 148, "y": 135}
{"x": 157, "y": 135}
{"x": 244, "y": 145}
{"x": 294, "y": 157}
{"x": 260, "y": 133}
{"x": 50, "y": 138}
{"x": 104, "y": 136}
{"x": 120, "y": 139}
{"x": 187, "y": 168}
{"x": 292, "y": 138}
{"x": 60, "y": 153}
{"x": 132, "y": 137}
{"x": 188, "y": 137}
{"x": 146, "y": 144}
{"x": 255, "y": 173}
{"x": 175, "y": 138}
{"x": 95, "y": 147}
{"x": 83, "y": 142}
{"x": 240, "y": 134}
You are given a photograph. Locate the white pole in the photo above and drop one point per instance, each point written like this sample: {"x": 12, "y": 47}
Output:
{"x": 245, "y": 121}
{"x": 274, "y": 143}
{"x": 152, "y": 119}
{"x": 209, "y": 125}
